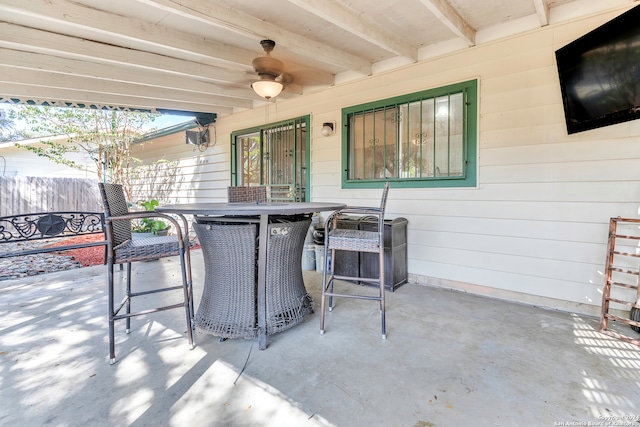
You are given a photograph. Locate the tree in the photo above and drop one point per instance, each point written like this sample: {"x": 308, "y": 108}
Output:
{"x": 6, "y": 125}
{"x": 8, "y": 131}
{"x": 105, "y": 136}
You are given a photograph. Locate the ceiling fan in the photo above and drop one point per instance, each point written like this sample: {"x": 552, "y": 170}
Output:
{"x": 273, "y": 78}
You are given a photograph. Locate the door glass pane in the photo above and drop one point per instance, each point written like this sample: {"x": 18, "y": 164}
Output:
{"x": 249, "y": 159}
{"x": 279, "y": 162}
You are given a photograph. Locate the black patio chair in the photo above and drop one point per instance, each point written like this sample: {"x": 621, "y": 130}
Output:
{"x": 356, "y": 240}
{"x": 122, "y": 249}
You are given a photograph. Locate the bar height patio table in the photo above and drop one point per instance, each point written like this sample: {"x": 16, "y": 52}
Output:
{"x": 262, "y": 212}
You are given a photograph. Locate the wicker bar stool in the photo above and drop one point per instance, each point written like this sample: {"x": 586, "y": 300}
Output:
{"x": 121, "y": 249}
{"x": 343, "y": 239}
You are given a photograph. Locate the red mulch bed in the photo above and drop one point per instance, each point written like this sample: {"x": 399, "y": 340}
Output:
{"x": 88, "y": 256}
{"x": 93, "y": 255}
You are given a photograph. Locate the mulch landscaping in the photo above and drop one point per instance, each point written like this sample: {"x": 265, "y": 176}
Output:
{"x": 93, "y": 255}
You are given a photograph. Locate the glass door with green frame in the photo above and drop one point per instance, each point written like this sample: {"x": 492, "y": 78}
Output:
{"x": 274, "y": 155}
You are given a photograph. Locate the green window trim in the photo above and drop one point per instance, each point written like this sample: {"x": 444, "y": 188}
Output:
{"x": 393, "y": 109}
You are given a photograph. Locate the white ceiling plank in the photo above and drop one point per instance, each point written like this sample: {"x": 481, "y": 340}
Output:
{"x": 100, "y": 87}
{"x": 141, "y": 66}
{"x": 72, "y": 67}
{"x": 347, "y": 19}
{"x": 114, "y": 29}
{"x": 542, "y": 10}
{"x": 13, "y": 90}
{"x": 258, "y": 29}
{"x": 23, "y": 38}
{"x": 451, "y": 19}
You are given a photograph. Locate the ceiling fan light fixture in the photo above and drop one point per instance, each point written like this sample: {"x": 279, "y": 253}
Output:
{"x": 267, "y": 88}
{"x": 271, "y": 72}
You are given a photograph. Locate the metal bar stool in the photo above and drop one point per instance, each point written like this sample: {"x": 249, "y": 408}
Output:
{"x": 121, "y": 248}
{"x": 358, "y": 241}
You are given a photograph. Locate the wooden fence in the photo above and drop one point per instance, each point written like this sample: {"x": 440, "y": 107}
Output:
{"x": 22, "y": 195}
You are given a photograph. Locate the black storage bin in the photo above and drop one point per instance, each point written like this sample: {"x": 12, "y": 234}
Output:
{"x": 395, "y": 253}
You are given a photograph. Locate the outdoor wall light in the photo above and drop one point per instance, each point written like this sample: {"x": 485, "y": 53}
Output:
{"x": 327, "y": 128}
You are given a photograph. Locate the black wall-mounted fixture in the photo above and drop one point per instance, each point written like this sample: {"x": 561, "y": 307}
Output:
{"x": 199, "y": 138}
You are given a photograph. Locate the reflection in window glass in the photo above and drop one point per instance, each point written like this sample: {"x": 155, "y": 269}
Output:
{"x": 374, "y": 148}
{"x": 427, "y": 134}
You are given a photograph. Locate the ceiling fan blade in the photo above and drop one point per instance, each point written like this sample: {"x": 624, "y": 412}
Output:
{"x": 268, "y": 65}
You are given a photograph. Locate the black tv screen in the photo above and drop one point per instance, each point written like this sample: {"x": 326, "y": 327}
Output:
{"x": 600, "y": 74}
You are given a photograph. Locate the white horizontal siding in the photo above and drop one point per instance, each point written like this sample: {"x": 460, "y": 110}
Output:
{"x": 514, "y": 245}
{"x": 484, "y": 229}
{"x": 514, "y": 283}
{"x": 199, "y": 176}
{"x": 22, "y": 163}
{"x": 553, "y": 211}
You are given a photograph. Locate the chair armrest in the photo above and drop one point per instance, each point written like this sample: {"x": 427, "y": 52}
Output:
{"x": 360, "y": 210}
{"x": 153, "y": 214}
{"x": 331, "y": 222}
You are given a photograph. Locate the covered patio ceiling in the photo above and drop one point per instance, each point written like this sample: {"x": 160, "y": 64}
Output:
{"x": 196, "y": 55}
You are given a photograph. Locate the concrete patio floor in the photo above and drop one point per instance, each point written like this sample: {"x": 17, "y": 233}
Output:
{"x": 451, "y": 359}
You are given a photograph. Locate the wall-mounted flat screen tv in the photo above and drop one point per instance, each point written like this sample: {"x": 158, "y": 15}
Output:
{"x": 600, "y": 74}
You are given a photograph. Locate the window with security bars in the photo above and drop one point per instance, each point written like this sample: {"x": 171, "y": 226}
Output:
{"x": 426, "y": 139}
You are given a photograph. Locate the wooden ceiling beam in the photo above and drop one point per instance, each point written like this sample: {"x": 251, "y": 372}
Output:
{"x": 38, "y": 41}
{"x": 449, "y": 17}
{"x": 257, "y": 29}
{"x": 542, "y": 10}
{"x": 341, "y": 16}
{"x": 109, "y": 88}
{"x": 43, "y": 93}
{"x": 128, "y": 32}
{"x": 122, "y": 74}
